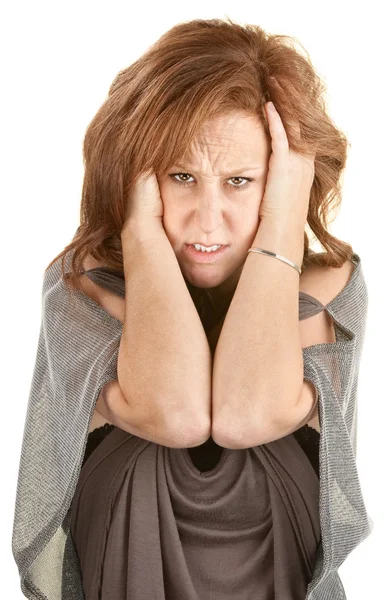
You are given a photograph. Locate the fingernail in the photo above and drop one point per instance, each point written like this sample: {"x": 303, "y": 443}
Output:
{"x": 271, "y": 107}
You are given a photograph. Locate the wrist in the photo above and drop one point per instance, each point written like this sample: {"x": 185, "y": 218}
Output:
{"x": 283, "y": 223}
{"x": 284, "y": 236}
{"x": 139, "y": 239}
{"x": 142, "y": 229}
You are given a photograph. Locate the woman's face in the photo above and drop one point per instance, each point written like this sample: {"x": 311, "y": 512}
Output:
{"x": 208, "y": 199}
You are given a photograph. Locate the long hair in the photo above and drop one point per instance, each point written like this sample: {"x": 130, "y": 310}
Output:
{"x": 155, "y": 107}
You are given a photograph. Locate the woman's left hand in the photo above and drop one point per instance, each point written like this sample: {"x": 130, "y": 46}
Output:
{"x": 290, "y": 176}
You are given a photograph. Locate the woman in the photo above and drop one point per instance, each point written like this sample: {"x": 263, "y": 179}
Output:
{"x": 192, "y": 417}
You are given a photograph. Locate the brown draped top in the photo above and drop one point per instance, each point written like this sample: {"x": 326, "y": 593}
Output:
{"x": 160, "y": 523}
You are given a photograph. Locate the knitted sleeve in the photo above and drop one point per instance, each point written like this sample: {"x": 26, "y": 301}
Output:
{"x": 333, "y": 368}
{"x": 76, "y": 355}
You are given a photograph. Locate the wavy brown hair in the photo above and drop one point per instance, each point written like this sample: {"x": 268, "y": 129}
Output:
{"x": 196, "y": 71}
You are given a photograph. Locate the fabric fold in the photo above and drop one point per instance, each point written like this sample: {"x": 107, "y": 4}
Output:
{"x": 146, "y": 523}
{"x": 77, "y": 354}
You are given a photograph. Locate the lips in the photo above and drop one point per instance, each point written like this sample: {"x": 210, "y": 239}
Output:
{"x": 204, "y": 257}
{"x": 204, "y": 245}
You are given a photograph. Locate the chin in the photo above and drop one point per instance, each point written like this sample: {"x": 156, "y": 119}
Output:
{"x": 204, "y": 282}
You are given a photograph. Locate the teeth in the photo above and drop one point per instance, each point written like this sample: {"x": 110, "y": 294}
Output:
{"x": 203, "y": 249}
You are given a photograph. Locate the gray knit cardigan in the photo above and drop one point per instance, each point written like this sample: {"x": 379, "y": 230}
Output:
{"x": 77, "y": 354}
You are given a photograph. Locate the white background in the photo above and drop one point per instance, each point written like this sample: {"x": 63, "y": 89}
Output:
{"x": 58, "y": 60}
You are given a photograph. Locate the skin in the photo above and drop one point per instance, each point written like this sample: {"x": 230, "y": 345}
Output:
{"x": 214, "y": 207}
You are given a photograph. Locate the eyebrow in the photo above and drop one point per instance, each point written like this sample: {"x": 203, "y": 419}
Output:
{"x": 235, "y": 170}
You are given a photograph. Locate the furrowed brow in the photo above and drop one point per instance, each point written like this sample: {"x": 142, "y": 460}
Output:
{"x": 235, "y": 170}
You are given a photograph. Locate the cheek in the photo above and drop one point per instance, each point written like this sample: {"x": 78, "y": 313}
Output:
{"x": 249, "y": 224}
{"x": 251, "y": 232}
{"x": 171, "y": 201}
{"x": 248, "y": 214}
{"x": 174, "y": 212}
{"x": 172, "y": 224}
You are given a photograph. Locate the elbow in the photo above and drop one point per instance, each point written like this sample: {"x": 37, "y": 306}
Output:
{"x": 151, "y": 422}
{"x": 234, "y": 435}
{"x": 189, "y": 431}
{"x": 236, "y": 432}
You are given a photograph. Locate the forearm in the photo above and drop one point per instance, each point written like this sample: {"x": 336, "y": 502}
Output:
{"x": 164, "y": 362}
{"x": 258, "y": 363}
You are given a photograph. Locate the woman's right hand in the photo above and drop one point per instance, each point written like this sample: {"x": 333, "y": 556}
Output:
{"x": 144, "y": 203}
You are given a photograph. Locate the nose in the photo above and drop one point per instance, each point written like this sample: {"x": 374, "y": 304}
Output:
{"x": 208, "y": 212}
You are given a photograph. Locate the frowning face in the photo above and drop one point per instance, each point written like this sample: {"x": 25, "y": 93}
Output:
{"x": 212, "y": 197}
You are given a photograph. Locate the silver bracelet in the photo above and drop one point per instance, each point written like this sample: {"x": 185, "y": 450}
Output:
{"x": 274, "y": 255}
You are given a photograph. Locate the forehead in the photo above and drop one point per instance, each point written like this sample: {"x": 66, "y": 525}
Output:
{"x": 228, "y": 139}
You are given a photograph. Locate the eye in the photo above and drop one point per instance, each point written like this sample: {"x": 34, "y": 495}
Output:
{"x": 182, "y": 183}
{"x": 236, "y": 187}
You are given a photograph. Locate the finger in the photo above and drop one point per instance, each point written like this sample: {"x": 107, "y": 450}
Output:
{"x": 279, "y": 141}
{"x": 292, "y": 125}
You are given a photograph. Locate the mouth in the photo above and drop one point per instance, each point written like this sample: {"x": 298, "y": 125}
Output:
{"x": 204, "y": 257}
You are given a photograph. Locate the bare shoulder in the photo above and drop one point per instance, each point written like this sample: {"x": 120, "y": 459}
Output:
{"x": 326, "y": 281}
{"x": 112, "y": 303}
{"x": 324, "y": 284}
